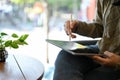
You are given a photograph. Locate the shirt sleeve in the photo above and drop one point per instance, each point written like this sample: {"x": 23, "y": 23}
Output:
{"x": 93, "y": 29}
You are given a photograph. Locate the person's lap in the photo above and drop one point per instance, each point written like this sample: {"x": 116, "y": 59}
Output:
{"x": 103, "y": 73}
{"x": 70, "y": 67}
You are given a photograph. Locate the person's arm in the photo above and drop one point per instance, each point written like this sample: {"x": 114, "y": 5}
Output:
{"x": 94, "y": 29}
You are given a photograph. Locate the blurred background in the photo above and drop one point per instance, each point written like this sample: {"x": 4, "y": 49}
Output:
{"x": 43, "y": 19}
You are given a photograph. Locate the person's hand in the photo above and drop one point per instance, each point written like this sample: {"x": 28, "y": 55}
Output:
{"x": 111, "y": 59}
{"x": 69, "y": 27}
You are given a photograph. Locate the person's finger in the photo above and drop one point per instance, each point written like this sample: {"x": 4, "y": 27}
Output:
{"x": 66, "y": 27}
{"x": 108, "y": 54}
{"x": 100, "y": 60}
{"x": 73, "y": 36}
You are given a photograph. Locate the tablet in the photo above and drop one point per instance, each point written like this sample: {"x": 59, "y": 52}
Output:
{"x": 73, "y": 47}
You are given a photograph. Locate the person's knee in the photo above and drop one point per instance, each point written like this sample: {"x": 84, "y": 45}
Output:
{"x": 61, "y": 56}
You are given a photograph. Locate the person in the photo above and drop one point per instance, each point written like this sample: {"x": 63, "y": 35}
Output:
{"x": 105, "y": 26}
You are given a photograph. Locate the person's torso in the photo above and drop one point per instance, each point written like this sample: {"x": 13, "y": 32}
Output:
{"x": 111, "y": 22}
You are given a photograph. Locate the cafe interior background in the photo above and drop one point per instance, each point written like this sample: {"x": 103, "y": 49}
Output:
{"x": 43, "y": 19}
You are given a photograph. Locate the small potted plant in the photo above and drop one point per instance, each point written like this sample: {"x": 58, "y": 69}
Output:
{"x": 11, "y": 41}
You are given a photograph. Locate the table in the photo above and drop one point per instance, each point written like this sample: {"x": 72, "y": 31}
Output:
{"x": 19, "y": 67}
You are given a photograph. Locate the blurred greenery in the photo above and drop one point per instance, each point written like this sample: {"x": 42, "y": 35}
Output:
{"x": 64, "y": 4}
{"x": 21, "y": 2}
{"x": 52, "y": 3}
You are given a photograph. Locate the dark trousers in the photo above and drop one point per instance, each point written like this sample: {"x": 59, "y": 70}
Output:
{"x": 70, "y": 67}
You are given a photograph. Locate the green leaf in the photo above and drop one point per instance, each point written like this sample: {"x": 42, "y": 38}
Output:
{"x": 8, "y": 43}
{"x": 15, "y": 35}
{"x": 1, "y": 41}
{"x": 3, "y": 34}
{"x": 23, "y": 37}
{"x": 2, "y": 48}
{"x": 18, "y": 42}
{"x": 14, "y": 45}
{"x": 25, "y": 43}
{"x": 21, "y": 43}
